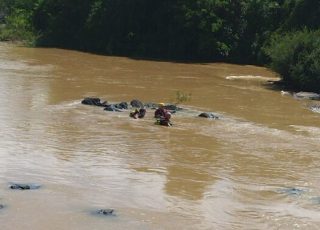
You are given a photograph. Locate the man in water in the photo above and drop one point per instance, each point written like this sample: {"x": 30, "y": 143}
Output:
{"x": 162, "y": 115}
{"x": 138, "y": 113}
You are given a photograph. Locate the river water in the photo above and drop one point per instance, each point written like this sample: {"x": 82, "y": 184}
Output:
{"x": 255, "y": 168}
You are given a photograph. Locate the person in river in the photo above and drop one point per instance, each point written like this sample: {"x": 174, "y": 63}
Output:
{"x": 162, "y": 115}
{"x": 138, "y": 113}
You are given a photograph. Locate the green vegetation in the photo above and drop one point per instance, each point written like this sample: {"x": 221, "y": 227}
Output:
{"x": 15, "y": 21}
{"x": 278, "y": 33}
{"x": 182, "y": 97}
{"x": 295, "y": 56}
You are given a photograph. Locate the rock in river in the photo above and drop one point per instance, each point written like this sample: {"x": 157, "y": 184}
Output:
{"x": 209, "y": 115}
{"x": 307, "y": 95}
{"x": 24, "y": 186}
{"x": 104, "y": 212}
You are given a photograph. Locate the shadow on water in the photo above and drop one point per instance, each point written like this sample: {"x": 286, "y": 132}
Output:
{"x": 190, "y": 170}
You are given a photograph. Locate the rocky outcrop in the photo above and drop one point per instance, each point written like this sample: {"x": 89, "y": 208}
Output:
{"x": 315, "y": 108}
{"x": 119, "y": 107}
{"x": 151, "y": 105}
{"x": 209, "y": 115}
{"x": 307, "y": 95}
{"x": 292, "y": 191}
{"x": 105, "y": 212}
{"x": 93, "y": 101}
{"x": 24, "y": 186}
{"x": 136, "y": 104}
{"x": 172, "y": 108}
{"x": 116, "y": 107}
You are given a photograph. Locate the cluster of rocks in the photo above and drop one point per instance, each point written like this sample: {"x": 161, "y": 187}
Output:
{"x": 105, "y": 212}
{"x": 24, "y": 186}
{"x": 124, "y": 106}
{"x": 315, "y": 108}
{"x": 17, "y": 186}
{"x": 305, "y": 96}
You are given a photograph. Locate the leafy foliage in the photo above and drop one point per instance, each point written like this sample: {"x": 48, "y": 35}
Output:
{"x": 296, "y": 56}
{"x": 243, "y": 31}
{"x": 17, "y": 21}
{"x": 182, "y": 97}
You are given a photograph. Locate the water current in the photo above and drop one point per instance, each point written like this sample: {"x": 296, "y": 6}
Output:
{"x": 255, "y": 168}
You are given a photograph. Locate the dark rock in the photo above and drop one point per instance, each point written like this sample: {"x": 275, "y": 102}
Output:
{"x": 292, "y": 191}
{"x": 93, "y": 101}
{"x": 151, "y": 105}
{"x": 106, "y": 212}
{"x": 112, "y": 108}
{"x": 116, "y": 107}
{"x": 172, "y": 108}
{"x": 122, "y": 105}
{"x": 307, "y": 95}
{"x": 136, "y": 104}
{"x": 24, "y": 186}
{"x": 209, "y": 115}
{"x": 1, "y": 206}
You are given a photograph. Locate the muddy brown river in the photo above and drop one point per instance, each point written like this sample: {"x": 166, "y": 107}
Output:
{"x": 255, "y": 168}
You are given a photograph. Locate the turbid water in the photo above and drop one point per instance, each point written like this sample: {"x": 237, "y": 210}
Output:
{"x": 255, "y": 168}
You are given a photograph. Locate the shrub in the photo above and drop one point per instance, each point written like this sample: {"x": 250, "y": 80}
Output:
{"x": 182, "y": 97}
{"x": 296, "y": 57}
{"x": 17, "y": 27}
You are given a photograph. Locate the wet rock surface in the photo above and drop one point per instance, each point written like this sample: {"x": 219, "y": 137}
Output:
{"x": 315, "y": 108}
{"x": 135, "y": 103}
{"x": 292, "y": 191}
{"x": 105, "y": 212}
{"x": 93, "y": 101}
{"x": 307, "y": 95}
{"x": 120, "y": 107}
{"x": 209, "y": 115}
{"x": 24, "y": 186}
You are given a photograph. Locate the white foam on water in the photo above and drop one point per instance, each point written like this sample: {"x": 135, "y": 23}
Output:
{"x": 248, "y": 77}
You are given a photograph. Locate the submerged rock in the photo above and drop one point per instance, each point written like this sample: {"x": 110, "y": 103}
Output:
{"x": 151, "y": 105}
{"x": 136, "y": 103}
{"x": 172, "y": 108}
{"x": 112, "y": 108}
{"x": 93, "y": 101}
{"x": 315, "y": 200}
{"x": 209, "y": 115}
{"x": 292, "y": 191}
{"x": 315, "y": 108}
{"x": 106, "y": 212}
{"x": 307, "y": 95}
{"x": 24, "y": 186}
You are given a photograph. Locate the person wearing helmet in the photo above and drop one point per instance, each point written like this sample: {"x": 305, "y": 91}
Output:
{"x": 161, "y": 111}
{"x": 162, "y": 115}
